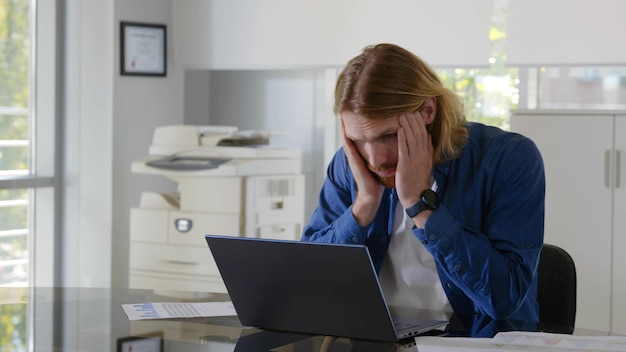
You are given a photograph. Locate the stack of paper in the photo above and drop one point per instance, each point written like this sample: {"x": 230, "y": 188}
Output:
{"x": 522, "y": 341}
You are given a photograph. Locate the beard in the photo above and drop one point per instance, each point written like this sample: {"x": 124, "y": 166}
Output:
{"x": 386, "y": 181}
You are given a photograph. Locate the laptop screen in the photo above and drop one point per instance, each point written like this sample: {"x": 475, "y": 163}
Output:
{"x": 327, "y": 289}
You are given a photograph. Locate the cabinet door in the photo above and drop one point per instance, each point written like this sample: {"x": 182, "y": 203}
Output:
{"x": 578, "y": 203}
{"x": 276, "y": 34}
{"x": 619, "y": 228}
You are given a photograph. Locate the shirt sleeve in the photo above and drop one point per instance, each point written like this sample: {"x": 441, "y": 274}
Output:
{"x": 494, "y": 264}
{"x": 332, "y": 220}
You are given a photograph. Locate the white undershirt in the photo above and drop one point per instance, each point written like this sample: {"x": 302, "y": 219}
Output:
{"x": 408, "y": 276}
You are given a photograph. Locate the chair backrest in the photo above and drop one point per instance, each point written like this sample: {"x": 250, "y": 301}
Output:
{"x": 556, "y": 293}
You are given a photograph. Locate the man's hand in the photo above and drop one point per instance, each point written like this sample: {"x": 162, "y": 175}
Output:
{"x": 415, "y": 158}
{"x": 369, "y": 191}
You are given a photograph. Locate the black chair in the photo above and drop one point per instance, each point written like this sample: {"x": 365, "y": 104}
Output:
{"x": 556, "y": 293}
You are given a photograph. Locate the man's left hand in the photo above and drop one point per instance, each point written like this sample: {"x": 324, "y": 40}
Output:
{"x": 415, "y": 158}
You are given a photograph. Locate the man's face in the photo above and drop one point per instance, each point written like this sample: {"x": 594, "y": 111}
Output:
{"x": 377, "y": 143}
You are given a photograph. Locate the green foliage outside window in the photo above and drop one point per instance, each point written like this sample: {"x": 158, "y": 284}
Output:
{"x": 12, "y": 327}
{"x": 488, "y": 93}
{"x": 14, "y": 129}
{"x": 14, "y": 53}
{"x": 14, "y": 82}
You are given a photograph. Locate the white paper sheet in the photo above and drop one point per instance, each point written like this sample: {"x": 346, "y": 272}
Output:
{"x": 522, "y": 341}
{"x": 160, "y": 310}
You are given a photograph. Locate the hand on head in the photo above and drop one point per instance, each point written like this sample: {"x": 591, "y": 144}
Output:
{"x": 415, "y": 158}
{"x": 369, "y": 190}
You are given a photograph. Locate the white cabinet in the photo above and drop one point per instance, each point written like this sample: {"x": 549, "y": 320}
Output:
{"x": 279, "y": 34}
{"x": 618, "y": 311}
{"x": 583, "y": 153}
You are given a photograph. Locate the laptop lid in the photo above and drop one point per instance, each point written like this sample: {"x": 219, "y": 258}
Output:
{"x": 315, "y": 288}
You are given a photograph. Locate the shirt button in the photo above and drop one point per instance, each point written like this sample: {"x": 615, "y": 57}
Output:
{"x": 457, "y": 267}
{"x": 383, "y": 239}
{"x": 354, "y": 239}
{"x": 432, "y": 237}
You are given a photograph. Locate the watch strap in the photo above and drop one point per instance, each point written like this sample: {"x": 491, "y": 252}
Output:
{"x": 415, "y": 209}
{"x": 428, "y": 200}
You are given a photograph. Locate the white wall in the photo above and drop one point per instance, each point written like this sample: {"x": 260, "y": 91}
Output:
{"x": 197, "y": 96}
{"x": 86, "y": 245}
{"x": 139, "y": 105}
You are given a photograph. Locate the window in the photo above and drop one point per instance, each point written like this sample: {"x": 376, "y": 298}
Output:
{"x": 488, "y": 93}
{"x": 27, "y": 161}
{"x": 579, "y": 87}
{"x": 14, "y": 139}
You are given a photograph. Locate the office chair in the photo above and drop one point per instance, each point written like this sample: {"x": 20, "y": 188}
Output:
{"x": 556, "y": 292}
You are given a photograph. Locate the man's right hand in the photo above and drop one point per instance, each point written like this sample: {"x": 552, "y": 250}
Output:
{"x": 369, "y": 191}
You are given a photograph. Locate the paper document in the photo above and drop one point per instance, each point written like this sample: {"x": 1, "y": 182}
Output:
{"x": 522, "y": 341}
{"x": 142, "y": 311}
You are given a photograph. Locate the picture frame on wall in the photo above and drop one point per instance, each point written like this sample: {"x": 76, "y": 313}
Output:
{"x": 143, "y": 49}
{"x": 147, "y": 343}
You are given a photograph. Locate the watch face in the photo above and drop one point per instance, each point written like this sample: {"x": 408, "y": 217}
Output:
{"x": 430, "y": 199}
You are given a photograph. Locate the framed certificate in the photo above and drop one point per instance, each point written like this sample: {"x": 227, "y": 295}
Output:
{"x": 143, "y": 49}
{"x": 149, "y": 343}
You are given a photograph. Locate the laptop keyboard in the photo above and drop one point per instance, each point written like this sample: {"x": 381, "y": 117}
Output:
{"x": 402, "y": 327}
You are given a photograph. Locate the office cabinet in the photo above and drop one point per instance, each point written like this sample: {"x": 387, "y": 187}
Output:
{"x": 583, "y": 153}
{"x": 286, "y": 34}
{"x": 618, "y": 312}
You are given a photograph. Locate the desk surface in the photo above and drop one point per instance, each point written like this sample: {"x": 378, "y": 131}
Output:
{"x": 91, "y": 319}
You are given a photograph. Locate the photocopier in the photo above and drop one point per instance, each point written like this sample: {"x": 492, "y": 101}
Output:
{"x": 230, "y": 182}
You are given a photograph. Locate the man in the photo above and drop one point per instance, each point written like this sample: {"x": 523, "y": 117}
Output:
{"x": 451, "y": 211}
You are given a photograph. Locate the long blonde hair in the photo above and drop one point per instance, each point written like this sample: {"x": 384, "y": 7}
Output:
{"x": 386, "y": 80}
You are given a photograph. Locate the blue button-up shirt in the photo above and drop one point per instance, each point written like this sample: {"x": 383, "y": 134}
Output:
{"x": 486, "y": 235}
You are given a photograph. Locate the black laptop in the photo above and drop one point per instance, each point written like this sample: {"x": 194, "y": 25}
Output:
{"x": 305, "y": 287}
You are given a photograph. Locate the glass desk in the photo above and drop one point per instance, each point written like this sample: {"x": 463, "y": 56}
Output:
{"x": 92, "y": 319}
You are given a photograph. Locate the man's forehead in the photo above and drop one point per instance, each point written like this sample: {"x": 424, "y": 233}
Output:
{"x": 359, "y": 127}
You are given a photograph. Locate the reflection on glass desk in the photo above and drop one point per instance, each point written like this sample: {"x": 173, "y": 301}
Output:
{"x": 92, "y": 319}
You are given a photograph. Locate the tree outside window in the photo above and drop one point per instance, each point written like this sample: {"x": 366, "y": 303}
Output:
{"x": 14, "y": 161}
{"x": 488, "y": 93}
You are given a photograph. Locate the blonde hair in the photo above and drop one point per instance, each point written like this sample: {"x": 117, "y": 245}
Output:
{"x": 386, "y": 80}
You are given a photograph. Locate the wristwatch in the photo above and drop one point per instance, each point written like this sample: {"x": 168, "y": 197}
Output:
{"x": 428, "y": 200}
